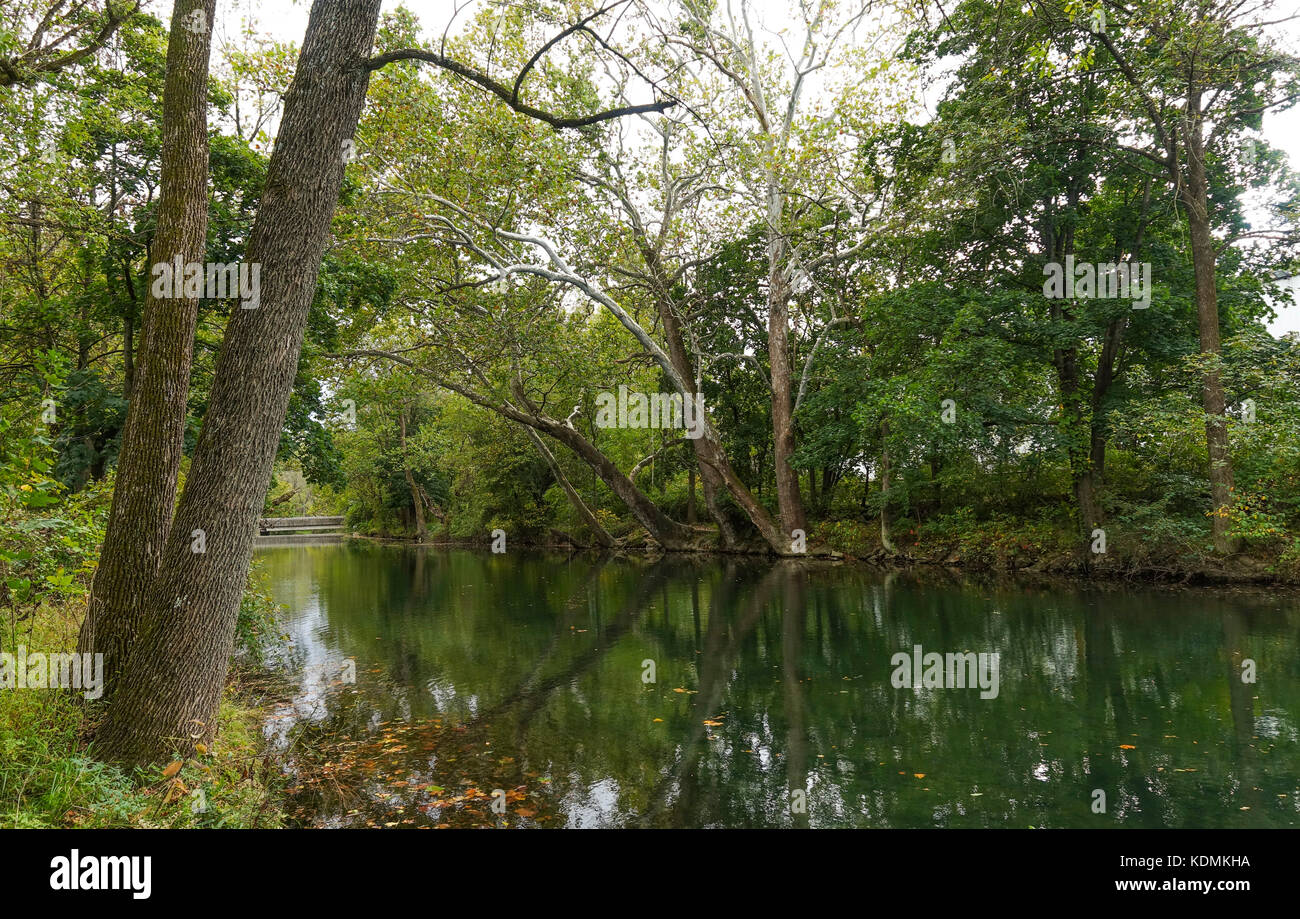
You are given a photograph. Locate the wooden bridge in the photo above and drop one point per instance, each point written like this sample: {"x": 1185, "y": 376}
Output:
{"x": 270, "y": 526}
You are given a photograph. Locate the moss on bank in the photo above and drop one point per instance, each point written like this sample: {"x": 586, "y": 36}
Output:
{"x": 1053, "y": 547}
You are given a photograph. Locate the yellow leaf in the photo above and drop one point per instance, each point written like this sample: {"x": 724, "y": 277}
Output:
{"x": 201, "y": 747}
{"x": 172, "y": 769}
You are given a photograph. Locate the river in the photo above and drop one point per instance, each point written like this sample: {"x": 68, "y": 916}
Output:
{"x": 440, "y": 687}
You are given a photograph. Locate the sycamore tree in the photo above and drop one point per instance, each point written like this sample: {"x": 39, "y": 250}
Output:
{"x": 469, "y": 318}
{"x": 793, "y": 126}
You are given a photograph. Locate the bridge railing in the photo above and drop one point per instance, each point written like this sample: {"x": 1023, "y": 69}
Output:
{"x": 281, "y": 524}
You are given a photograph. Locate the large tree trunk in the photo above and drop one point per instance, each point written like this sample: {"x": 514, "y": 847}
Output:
{"x": 1077, "y": 425}
{"x": 598, "y": 532}
{"x": 1088, "y": 498}
{"x": 886, "y": 542}
{"x": 421, "y": 529}
{"x": 713, "y": 479}
{"x": 169, "y": 695}
{"x": 154, "y": 437}
{"x": 789, "y": 501}
{"x": 663, "y": 529}
{"x": 1195, "y": 196}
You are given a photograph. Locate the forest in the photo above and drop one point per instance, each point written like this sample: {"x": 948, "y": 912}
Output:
{"x": 970, "y": 283}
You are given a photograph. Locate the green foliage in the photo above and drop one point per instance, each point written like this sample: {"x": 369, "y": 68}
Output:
{"x": 920, "y": 340}
{"x": 49, "y": 540}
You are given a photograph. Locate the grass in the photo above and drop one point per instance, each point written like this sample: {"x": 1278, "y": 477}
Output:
{"x": 49, "y": 779}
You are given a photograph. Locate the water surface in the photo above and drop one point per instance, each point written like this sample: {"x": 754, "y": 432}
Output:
{"x": 738, "y": 693}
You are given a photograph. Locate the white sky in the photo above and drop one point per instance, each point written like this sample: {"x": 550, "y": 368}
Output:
{"x": 286, "y": 20}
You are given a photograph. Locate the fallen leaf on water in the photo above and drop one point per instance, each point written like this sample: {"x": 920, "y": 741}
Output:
{"x": 526, "y": 811}
{"x": 713, "y": 724}
{"x": 658, "y": 719}
{"x": 1127, "y": 746}
{"x": 918, "y": 775}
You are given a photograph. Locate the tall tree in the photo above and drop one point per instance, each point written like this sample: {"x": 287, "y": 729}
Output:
{"x": 1195, "y": 73}
{"x": 171, "y": 688}
{"x": 154, "y": 438}
{"x": 772, "y": 97}
{"x": 173, "y": 680}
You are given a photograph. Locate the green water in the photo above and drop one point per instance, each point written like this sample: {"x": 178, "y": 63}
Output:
{"x": 773, "y": 700}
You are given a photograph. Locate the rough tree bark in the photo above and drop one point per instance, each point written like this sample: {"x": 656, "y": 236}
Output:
{"x": 154, "y": 437}
{"x": 1196, "y": 197}
{"x": 663, "y": 529}
{"x": 421, "y": 529}
{"x": 169, "y": 694}
{"x": 667, "y": 532}
{"x": 598, "y": 532}
{"x": 789, "y": 500}
{"x": 885, "y": 540}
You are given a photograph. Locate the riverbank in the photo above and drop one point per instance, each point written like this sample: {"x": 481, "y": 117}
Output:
{"x": 49, "y": 777}
{"x": 1001, "y": 547}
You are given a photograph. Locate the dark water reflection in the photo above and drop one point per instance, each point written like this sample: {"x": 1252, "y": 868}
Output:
{"x": 527, "y": 673}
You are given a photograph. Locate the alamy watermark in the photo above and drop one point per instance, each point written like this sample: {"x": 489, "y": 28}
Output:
{"x": 39, "y": 670}
{"x": 933, "y": 670}
{"x": 1098, "y": 281}
{"x": 103, "y": 872}
{"x": 656, "y": 410}
{"x": 212, "y": 281}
